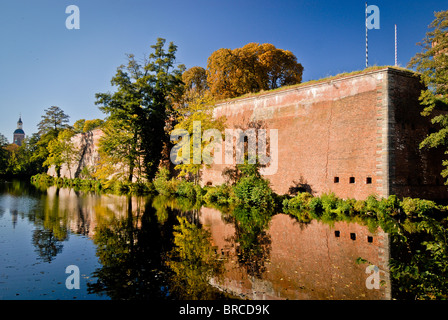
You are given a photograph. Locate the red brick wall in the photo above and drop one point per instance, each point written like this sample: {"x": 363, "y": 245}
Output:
{"x": 344, "y": 128}
{"x": 304, "y": 261}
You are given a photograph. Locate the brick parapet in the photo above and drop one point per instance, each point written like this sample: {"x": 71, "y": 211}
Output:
{"x": 346, "y": 130}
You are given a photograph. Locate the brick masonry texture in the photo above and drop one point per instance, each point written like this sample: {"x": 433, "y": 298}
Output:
{"x": 302, "y": 261}
{"x": 355, "y": 136}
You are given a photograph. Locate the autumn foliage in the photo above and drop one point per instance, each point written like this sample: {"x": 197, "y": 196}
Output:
{"x": 252, "y": 68}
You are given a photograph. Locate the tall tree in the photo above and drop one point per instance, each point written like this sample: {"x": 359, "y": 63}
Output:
{"x": 432, "y": 64}
{"x": 196, "y": 119}
{"x": 120, "y": 158}
{"x": 143, "y": 102}
{"x": 252, "y": 68}
{"x": 54, "y": 119}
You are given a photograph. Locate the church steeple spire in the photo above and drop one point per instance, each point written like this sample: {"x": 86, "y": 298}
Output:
{"x": 20, "y": 123}
{"x": 19, "y": 134}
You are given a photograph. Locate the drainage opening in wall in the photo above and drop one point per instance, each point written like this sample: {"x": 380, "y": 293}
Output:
{"x": 353, "y": 236}
{"x": 352, "y": 180}
{"x": 336, "y": 179}
{"x": 337, "y": 234}
{"x": 369, "y": 180}
{"x": 369, "y": 239}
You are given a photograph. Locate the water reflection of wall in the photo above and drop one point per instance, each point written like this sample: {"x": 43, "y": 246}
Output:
{"x": 82, "y": 212}
{"x": 305, "y": 261}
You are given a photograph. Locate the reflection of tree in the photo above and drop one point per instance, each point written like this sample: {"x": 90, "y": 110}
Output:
{"x": 194, "y": 261}
{"x": 254, "y": 243}
{"x": 419, "y": 262}
{"x": 51, "y": 229}
{"x": 185, "y": 206}
{"x": 18, "y": 188}
{"x": 131, "y": 250}
{"x": 47, "y": 244}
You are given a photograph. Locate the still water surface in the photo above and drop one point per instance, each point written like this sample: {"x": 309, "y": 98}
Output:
{"x": 159, "y": 248}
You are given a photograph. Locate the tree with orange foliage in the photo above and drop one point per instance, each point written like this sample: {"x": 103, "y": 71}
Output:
{"x": 252, "y": 68}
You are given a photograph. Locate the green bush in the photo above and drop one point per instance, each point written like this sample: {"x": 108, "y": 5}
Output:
{"x": 329, "y": 202}
{"x": 163, "y": 184}
{"x": 122, "y": 187}
{"x": 371, "y": 204}
{"x": 222, "y": 194}
{"x": 139, "y": 188}
{"x": 345, "y": 208}
{"x": 416, "y": 207}
{"x": 254, "y": 191}
{"x": 299, "y": 202}
{"x": 200, "y": 192}
{"x": 186, "y": 189}
{"x": 316, "y": 207}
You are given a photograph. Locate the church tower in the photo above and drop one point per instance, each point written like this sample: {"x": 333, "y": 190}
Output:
{"x": 19, "y": 134}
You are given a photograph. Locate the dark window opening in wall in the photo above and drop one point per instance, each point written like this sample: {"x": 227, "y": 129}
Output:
{"x": 353, "y": 236}
{"x": 209, "y": 183}
{"x": 336, "y": 179}
{"x": 337, "y": 234}
{"x": 369, "y": 239}
{"x": 352, "y": 179}
{"x": 369, "y": 180}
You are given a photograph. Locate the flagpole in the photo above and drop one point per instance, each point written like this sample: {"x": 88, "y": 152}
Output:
{"x": 367, "y": 40}
{"x": 396, "y": 55}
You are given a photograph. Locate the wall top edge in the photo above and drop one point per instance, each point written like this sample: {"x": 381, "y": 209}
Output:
{"x": 386, "y": 70}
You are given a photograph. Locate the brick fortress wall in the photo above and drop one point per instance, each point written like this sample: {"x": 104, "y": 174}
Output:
{"x": 354, "y": 135}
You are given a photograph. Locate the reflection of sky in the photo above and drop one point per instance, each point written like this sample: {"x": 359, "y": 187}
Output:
{"x": 23, "y": 275}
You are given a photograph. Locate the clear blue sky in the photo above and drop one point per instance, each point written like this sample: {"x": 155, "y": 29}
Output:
{"x": 42, "y": 63}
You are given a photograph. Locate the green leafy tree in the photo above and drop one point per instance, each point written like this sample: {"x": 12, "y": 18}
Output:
{"x": 143, "y": 104}
{"x": 432, "y": 64}
{"x": 120, "y": 158}
{"x": 13, "y": 165}
{"x": 25, "y": 153}
{"x": 83, "y": 125}
{"x": 4, "y": 154}
{"x": 78, "y": 126}
{"x": 93, "y": 124}
{"x": 62, "y": 150}
{"x": 53, "y": 121}
{"x": 198, "y": 111}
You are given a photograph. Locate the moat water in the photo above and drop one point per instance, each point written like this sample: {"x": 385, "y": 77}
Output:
{"x": 160, "y": 248}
